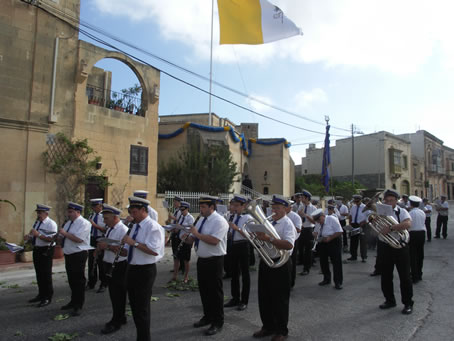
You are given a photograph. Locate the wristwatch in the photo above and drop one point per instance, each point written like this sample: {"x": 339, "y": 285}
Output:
{"x": 136, "y": 244}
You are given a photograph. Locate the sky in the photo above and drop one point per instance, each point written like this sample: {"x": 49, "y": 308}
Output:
{"x": 379, "y": 65}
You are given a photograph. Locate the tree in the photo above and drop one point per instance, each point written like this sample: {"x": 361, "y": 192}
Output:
{"x": 74, "y": 164}
{"x": 198, "y": 169}
{"x": 313, "y": 184}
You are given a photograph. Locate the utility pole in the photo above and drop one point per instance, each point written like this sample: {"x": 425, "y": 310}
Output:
{"x": 354, "y": 131}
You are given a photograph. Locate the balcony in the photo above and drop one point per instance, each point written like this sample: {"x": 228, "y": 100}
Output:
{"x": 435, "y": 169}
{"x": 114, "y": 100}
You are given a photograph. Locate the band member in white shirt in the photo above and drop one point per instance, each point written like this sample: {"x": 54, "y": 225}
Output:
{"x": 327, "y": 234}
{"x": 97, "y": 231}
{"x": 115, "y": 273}
{"x": 145, "y": 244}
{"x": 182, "y": 251}
{"x": 306, "y": 238}
{"x": 274, "y": 283}
{"x": 442, "y": 218}
{"x": 239, "y": 256}
{"x": 210, "y": 235}
{"x": 358, "y": 220}
{"x": 75, "y": 241}
{"x": 400, "y": 258}
{"x": 427, "y": 208}
{"x": 42, "y": 237}
{"x": 151, "y": 211}
{"x": 298, "y": 223}
{"x": 417, "y": 238}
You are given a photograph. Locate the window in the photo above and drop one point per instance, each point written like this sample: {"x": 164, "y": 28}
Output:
{"x": 265, "y": 190}
{"x": 404, "y": 161}
{"x": 395, "y": 161}
{"x": 138, "y": 161}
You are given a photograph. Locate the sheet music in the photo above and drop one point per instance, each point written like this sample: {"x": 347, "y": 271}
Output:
{"x": 256, "y": 228}
{"x": 14, "y": 247}
{"x": 165, "y": 204}
{"x": 385, "y": 210}
{"x": 109, "y": 241}
{"x": 222, "y": 209}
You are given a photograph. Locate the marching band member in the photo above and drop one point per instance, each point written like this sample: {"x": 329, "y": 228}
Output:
{"x": 174, "y": 240}
{"x": 182, "y": 252}
{"x": 239, "y": 256}
{"x": 97, "y": 230}
{"x": 400, "y": 258}
{"x": 417, "y": 238}
{"x": 305, "y": 240}
{"x": 327, "y": 232}
{"x": 343, "y": 214}
{"x": 274, "y": 283}
{"x": 404, "y": 203}
{"x": 116, "y": 283}
{"x": 210, "y": 234}
{"x": 298, "y": 204}
{"x": 442, "y": 218}
{"x": 428, "y": 211}
{"x": 42, "y": 237}
{"x": 151, "y": 211}
{"x": 75, "y": 241}
{"x": 357, "y": 220}
{"x": 298, "y": 223}
{"x": 145, "y": 244}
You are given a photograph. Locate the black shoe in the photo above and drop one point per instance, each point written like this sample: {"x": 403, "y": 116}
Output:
{"x": 76, "y": 312}
{"x": 351, "y": 258}
{"x": 375, "y": 273}
{"x": 101, "y": 289}
{"x": 324, "y": 282}
{"x": 213, "y": 330}
{"x": 241, "y": 307}
{"x": 304, "y": 273}
{"x": 201, "y": 323}
{"x": 89, "y": 287}
{"x": 408, "y": 309}
{"x": 109, "y": 328}
{"x": 338, "y": 286}
{"x": 445, "y": 237}
{"x": 67, "y": 306}
{"x": 35, "y": 299}
{"x": 363, "y": 260}
{"x": 262, "y": 333}
{"x": 231, "y": 303}
{"x": 43, "y": 303}
{"x": 387, "y": 305}
{"x": 437, "y": 237}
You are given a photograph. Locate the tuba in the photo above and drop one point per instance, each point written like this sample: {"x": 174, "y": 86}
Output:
{"x": 267, "y": 251}
{"x": 395, "y": 239}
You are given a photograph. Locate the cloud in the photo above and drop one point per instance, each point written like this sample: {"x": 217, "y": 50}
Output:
{"x": 304, "y": 99}
{"x": 393, "y": 36}
{"x": 257, "y": 105}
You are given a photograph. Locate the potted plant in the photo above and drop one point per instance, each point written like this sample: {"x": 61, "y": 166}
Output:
{"x": 26, "y": 255}
{"x": 6, "y": 256}
{"x": 58, "y": 252}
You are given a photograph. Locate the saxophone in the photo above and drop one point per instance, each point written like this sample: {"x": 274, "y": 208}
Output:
{"x": 272, "y": 256}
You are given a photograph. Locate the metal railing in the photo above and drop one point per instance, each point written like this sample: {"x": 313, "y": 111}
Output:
{"x": 254, "y": 194}
{"x": 193, "y": 199}
{"x": 114, "y": 100}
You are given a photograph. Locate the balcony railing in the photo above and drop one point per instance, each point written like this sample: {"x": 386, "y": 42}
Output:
{"x": 435, "y": 169}
{"x": 114, "y": 100}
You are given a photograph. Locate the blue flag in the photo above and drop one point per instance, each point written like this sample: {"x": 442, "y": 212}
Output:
{"x": 326, "y": 161}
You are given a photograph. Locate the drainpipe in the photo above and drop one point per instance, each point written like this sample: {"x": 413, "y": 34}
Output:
{"x": 52, "y": 115}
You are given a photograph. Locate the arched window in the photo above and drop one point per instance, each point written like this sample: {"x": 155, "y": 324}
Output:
{"x": 405, "y": 187}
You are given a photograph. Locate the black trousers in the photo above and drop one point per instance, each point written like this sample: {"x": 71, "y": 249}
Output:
{"x": 75, "y": 270}
{"x": 417, "y": 240}
{"x": 344, "y": 233}
{"x": 294, "y": 257}
{"x": 42, "y": 260}
{"x": 95, "y": 268}
{"x": 400, "y": 258}
{"x": 274, "y": 296}
{"x": 209, "y": 277}
{"x": 117, "y": 291}
{"x": 333, "y": 251}
{"x": 379, "y": 259}
{"x": 361, "y": 240}
{"x": 251, "y": 255}
{"x": 140, "y": 280}
{"x": 305, "y": 247}
{"x": 442, "y": 221}
{"x": 240, "y": 267}
{"x": 228, "y": 260}
{"x": 428, "y": 229}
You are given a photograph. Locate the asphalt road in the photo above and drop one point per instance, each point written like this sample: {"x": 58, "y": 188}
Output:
{"x": 316, "y": 313}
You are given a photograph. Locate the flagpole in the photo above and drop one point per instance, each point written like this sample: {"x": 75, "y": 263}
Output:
{"x": 211, "y": 64}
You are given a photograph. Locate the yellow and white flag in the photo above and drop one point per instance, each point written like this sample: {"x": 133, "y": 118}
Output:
{"x": 253, "y": 22}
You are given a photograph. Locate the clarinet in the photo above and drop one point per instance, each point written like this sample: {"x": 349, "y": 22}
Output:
{"x": 117, "y": 255}
{"x": 180, "y": 246}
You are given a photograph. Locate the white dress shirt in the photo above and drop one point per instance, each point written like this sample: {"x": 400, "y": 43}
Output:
{"x": 361, "y": 216}
{"x": 428, "y": 208}
{"x": 152, "y": 213}
{"x": 418, "y": 219}
{"x": 342, "y": 210}
{"x": 297, "y": 206}
{"x": 184, "y": 220}
{"x": 100, "y": 223}
{"x": 151, "y": 234}
{"x": 48, "y": 228}
{"x": 297, "y": 222}
{"x": 444, "y": 205}
{"x": 217, "y": 227}
{"x": 310, "y": 208}
{"x": 80, "y": 228}
{"x": 244, "y": 219}
{"x": 286, "y": 230}
{"x": 176, "y": 214}
{"x": 117, "y": 233}
{"x": 330, "y": 227}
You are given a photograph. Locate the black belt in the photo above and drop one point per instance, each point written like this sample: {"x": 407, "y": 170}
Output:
{"x": 42, "y": 247}
{"x": 141, "y": 266}
{"x": 240, "y": 241}
{"x": 209, "y": 258}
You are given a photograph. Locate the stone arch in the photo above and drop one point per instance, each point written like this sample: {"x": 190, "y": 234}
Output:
{"x": 405, "y": 187}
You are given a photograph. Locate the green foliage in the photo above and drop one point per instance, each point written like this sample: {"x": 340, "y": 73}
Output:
{"x": 209, "y": 169}
{"x": 3, "y": 246}
{"x": 313, "y": 183}
{"x": 62, "y": 337}
{"x": 180, "y": 285}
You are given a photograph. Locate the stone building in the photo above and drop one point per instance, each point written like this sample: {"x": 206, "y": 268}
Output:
{"x": 381, "y": 160}
{"x": 269, "y": 165}
{"x": 45, "y": 76}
